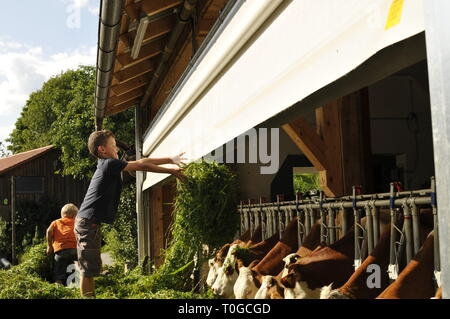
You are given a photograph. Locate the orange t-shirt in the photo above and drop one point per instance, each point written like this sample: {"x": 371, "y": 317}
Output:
{"x": 63, "y": 234}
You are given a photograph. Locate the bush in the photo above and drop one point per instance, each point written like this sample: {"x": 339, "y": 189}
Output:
{"x": 5, "y": 239}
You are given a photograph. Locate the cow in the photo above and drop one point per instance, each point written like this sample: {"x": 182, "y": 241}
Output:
{"x": 270, "y": 287}
{"x": 228, "y": 273}
{"x": 249, "y": 278}
{"x": 327, "y": 265}
{"x": 416, "y": 280}
{"x": 216, "y": 262}
{"x": 356, "y": 287}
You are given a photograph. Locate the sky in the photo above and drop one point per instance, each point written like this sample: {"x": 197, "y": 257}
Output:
{"x": 40, "y": 39}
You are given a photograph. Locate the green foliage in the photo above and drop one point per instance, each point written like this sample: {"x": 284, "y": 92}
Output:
{"x": 205, "y": 213}
{"x": 121, "y": 236}
{"x": 20, "y": 285}
{"x": 61, "y": 113}
{"x": 32, "y": 220}
{"x": 306, "y": 182}
{"x": 5, "y": 239}
{"x": 34, "y": 261}
{"x": 3, "y": 151}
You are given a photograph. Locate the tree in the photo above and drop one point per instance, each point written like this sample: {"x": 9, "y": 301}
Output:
{"x": 3, "y": 151}
{"x": 62, "y": 113}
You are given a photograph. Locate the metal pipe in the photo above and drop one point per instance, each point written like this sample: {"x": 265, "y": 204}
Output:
{"x": 344, "y": 221}
{"x": 369, "y": 227}
{"x": 183, "y": 18}
{"x": 416, "y": 226}
{"x": 393, "y": 238}
{"x": 408, "y": 231}
{"x": 437, "y": 259}
{"x": 108, "y": 35}
{"x": 263, "y": 219}
{"x": 332, "y": 225}
{"x": 376, "y": 225}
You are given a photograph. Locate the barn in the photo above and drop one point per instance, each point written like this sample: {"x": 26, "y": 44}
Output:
{"x": 30, "y": 176}
{"x": 354, "y": 93}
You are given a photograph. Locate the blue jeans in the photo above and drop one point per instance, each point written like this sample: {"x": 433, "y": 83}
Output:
{"x": 63, "y": 258}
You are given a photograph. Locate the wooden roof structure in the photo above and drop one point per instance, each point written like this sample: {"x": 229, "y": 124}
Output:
{"x": 10, "y": 162}
{"x": 131, "y": 81}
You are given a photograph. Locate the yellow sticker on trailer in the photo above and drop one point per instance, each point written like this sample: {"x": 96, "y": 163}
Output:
{"x": 395, "y": 13}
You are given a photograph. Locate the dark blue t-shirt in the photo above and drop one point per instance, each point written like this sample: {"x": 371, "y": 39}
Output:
{"x": 102, "y": 197}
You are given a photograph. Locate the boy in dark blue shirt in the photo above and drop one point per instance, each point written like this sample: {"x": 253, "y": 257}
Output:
{"x": 102, "y": 199}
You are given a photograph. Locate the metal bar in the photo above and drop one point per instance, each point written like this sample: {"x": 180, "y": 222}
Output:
{"x": 344, "y": 221}
{"x": 437, "y": 258}
{"x": 376, "y": 225}
{"x": 415, "y": 222}
{"x": 369, "y": 227}
{"x": 437, "y": 15}
{"x": 393, "y": 238}
{"x": 408, "y": 231}
{"x": 332, "y": 225}
{"x": 263, "y": 219}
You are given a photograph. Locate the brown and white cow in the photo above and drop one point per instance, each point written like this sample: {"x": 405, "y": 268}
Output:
{"x": 416, "y": 280}
{"x": 270, "y": 286}
{"x": 217, "y": 262}
{"x": 356, "y": 287}
{"x": 249, "y": 279}
{"x": 327, "y": 265}
{"x": 228, "y": 273}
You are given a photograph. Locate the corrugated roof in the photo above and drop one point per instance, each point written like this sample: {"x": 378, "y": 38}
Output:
{"x": 15, "y": 160}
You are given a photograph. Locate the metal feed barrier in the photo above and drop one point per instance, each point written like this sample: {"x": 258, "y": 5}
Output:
{"x": 403, "y": 207}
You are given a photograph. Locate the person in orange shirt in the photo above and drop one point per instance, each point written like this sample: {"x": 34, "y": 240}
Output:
{"x": 61, "y": 241}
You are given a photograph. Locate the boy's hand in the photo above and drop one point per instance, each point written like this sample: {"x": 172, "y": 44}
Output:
{"x": 177, "y": 159}
{"x": 49, "y": 250}
{"x": 178, "y": 173}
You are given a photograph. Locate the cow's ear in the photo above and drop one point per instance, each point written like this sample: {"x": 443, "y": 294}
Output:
{"x": 225, "y": 248}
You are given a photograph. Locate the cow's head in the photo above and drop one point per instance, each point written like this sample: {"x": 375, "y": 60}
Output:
{"x": 270, "y": 289}
{"x": 226, "y": 275}
{"x": 293, "y": 275}
{"x": 289, "y": 260}
{"x": 212, "y": 274}
{"x": 248, "y": 282}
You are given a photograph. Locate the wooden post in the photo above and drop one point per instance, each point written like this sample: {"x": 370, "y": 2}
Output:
{"x": 339, "y": 147}
{"x": 157, "y": 222}
{"x": 13, "y": 220}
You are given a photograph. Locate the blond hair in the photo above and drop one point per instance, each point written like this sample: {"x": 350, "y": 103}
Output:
{"x": 69, "y": 210}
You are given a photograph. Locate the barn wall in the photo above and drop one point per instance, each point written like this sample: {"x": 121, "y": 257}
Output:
{"x": 393, "y": 99}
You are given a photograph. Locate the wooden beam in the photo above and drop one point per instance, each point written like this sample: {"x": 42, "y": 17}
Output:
{"x": 133, "y": 10}
{"x": 115, "y": 101}
{"x": 157, "y": 214}
{"x": 122, "y": 107}
{"x": 128, "y": 86}
{"x": 328, "y": 125}
{"x": 148, "y": 51}
{"x": 135, "y": 71}
{"x": 153, "y": 7}
{"x": 307, "y": 140}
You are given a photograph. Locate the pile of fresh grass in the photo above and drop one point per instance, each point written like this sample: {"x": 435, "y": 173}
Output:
{"x": 204, "y": 214}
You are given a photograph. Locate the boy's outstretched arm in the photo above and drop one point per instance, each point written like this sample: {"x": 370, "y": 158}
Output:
{"x": 146, "y": 165}
{"x": 177, "y": 159}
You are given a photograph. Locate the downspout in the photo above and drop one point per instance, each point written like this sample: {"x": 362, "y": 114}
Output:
{"x": 183, "y": 18}
{"x": 108, "y": 35}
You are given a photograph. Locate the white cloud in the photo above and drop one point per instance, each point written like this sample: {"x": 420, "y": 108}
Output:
{"x": 93, "y": 6}
{"x": 23, "y": 69}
